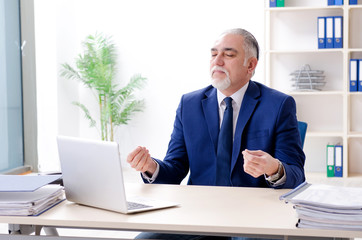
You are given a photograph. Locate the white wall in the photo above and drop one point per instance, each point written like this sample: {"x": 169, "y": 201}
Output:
{"x": 166, "y": 41}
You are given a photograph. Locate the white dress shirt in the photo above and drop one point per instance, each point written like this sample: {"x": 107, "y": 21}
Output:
{"x": 237, "y": 99}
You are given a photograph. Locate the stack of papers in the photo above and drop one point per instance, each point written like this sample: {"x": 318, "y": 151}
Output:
{"x": 326, "y": 207}
{"x": 30, "y": 203}
{"x": 28, "y": 195}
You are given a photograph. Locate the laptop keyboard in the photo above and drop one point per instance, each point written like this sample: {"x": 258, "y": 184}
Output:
{"x": 134, "y": 205}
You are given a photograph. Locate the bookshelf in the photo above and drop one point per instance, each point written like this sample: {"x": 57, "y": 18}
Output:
{"x": 334, "y": 115}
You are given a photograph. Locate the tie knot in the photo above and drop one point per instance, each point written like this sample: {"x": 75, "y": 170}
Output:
{"x": 228, "y": 101}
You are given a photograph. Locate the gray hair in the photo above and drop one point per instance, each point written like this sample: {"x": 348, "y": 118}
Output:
{"x": 251, "y": 45}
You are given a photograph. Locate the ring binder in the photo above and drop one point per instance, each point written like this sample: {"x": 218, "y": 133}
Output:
{"x": 338, "y": 161}
{"x": 329, "y": 32}
{"x": 338, "y": 32}
{"x": 353, "y": 74}
{"x": 321, "y": 32}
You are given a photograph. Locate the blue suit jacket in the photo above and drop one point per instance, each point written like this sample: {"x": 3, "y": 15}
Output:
{"x": 267, "y": 121}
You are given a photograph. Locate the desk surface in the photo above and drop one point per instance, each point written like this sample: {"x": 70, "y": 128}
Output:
{"x": 202, "y": 210}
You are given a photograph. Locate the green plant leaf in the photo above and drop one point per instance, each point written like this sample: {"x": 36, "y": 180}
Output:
{"x": 92, "y": 122}
{"x": 69, "y": 72}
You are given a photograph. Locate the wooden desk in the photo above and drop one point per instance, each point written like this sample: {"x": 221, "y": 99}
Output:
{"x": 202, "y": 210}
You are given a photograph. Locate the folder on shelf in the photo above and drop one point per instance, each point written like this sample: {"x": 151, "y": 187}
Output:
{"x": 280, "y": 3}
{"x": 338, "y": 161}
{"x": 359, "y": 75}
{"x": 338, "y": 2}
{"x": 329, "y": 32}
{"x": 353, "y": 75}
{"x": 321, "y": 32}
{"x": 272, "y": 3}
{"x": 330, "y": 160}
{"x": 338, "y": 32}
{"x": 331, "y": 2}
{"x": 352, "y": 2}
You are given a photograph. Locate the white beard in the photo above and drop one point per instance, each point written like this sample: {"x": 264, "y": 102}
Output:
{"x": 220, "y": 84}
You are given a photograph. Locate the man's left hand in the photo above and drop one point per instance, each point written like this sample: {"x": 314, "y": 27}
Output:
{"x": 257, "y": 163}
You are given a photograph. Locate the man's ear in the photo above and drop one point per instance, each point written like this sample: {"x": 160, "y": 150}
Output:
{"x": 252, "y": 62}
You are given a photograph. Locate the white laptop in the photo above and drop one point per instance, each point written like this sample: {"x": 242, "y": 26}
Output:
{"x": 92, "y": 176}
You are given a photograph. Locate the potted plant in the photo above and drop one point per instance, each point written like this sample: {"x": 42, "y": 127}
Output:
{"x": 96, "y": 69}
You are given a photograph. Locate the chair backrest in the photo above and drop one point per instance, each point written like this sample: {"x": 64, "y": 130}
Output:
{"x": 302, "y": 126}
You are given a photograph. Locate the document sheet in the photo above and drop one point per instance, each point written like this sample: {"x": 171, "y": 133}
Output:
{"x": 25, "y": 183}
{"x": 326, "y": 206}
{"x": 30, "y": 203}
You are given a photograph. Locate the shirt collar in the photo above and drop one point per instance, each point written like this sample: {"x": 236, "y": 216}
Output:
{"x": 237, "y": 96}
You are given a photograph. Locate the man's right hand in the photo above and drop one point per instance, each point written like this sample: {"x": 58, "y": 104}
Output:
{"x": 141, "y": 160}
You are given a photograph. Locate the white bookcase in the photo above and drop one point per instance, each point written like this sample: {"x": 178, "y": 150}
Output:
{"x": 334, "y": 115}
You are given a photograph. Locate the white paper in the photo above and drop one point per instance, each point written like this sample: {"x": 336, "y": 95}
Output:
{"x": 330, "y": 196}
{"x": 25, "y": 183}
{"x": 30, "y": 203}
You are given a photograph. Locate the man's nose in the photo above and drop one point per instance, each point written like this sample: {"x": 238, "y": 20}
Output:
{"x": 218, "y": 60}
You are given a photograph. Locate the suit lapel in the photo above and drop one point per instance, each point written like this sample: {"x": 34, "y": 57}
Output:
{"x": 250, "y": 101}
{"x": 211, "y": 114}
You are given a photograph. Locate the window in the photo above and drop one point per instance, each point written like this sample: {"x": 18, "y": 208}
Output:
{"x": 11, "y": 112}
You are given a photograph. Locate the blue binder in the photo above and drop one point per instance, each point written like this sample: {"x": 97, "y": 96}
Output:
{"x": 352, "y": 2}
{"x": 331, "y": 2}
{"x": 272, "y": 3}
{"x": 353, "y": 75}
{"x": 329, "y": 32}
{"x": 338, "y": 161}
{"x": 359, "y": 75}
{"x": 321, "y": 32}
{"x": 338, "y": 2}
{"x": 338, "y": 32}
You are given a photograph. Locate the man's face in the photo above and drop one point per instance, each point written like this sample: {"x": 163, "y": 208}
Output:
{"x": 227, "y": 69}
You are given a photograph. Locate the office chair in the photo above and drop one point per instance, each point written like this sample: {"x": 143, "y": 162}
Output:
{"x": 302, "y": 126}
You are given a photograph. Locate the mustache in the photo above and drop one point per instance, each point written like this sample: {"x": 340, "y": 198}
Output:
{"x": 218, "y": 68}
